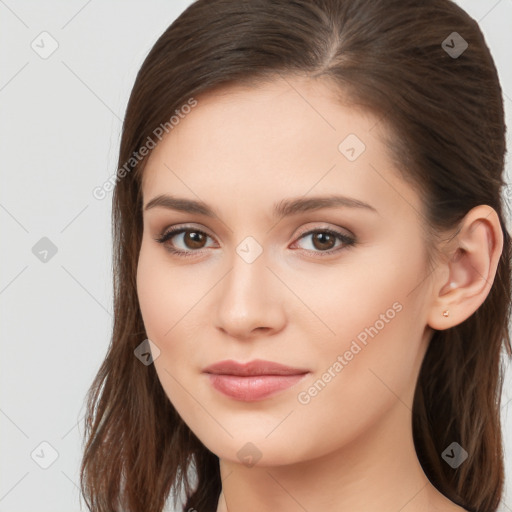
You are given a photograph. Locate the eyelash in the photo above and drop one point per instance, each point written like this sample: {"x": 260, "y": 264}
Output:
{"x": 167, "y": 235}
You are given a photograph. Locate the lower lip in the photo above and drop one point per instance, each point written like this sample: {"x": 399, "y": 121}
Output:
{"x": 252, "y": 388}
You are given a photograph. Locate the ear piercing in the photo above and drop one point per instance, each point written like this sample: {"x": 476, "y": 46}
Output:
{"x": 446, "y": 313}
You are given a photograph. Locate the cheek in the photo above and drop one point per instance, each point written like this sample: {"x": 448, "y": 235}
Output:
{"x": 370, "y": 348}
{"x": 373, "y": 295}
{"x": 161, "y": 295}
{"x": 169, "y": 298}
{"x": 162, "y": 307}
{"x": 150, "y": 293}
{"x": 159, "y": 303}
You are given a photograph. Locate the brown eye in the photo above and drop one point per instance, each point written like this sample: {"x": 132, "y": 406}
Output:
{"x": 191, "y": 241}
{"x": 194, "y": 239}
{"x": 323, "y": 241}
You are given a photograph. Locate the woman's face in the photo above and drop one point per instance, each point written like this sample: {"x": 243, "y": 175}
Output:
{"x": 346, "y": 305}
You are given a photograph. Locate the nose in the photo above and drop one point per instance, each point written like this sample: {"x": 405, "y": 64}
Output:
{"x": 250, "y": 300}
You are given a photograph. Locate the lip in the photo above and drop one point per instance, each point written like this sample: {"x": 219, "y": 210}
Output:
{"x": 255, "y": 380}
{"x": 251, "y": 368}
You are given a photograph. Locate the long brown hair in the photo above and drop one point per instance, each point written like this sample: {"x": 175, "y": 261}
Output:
{"x": 446, "y": 112}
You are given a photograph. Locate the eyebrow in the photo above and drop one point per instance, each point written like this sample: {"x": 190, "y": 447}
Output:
{"x": 284, "y": 208}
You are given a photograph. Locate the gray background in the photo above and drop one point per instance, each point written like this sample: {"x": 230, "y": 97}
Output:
{"x": 60, "y": 123}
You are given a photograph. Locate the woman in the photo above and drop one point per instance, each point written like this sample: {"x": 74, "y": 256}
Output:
{"x": 312, "y": 273}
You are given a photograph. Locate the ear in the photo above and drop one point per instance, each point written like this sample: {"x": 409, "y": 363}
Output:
{"x": 463, "y": 281}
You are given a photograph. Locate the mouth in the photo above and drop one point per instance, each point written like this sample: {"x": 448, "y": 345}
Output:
{"x": 255, "y": 380}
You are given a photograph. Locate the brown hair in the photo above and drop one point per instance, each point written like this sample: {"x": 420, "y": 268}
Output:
{"x": 447, "y": 116}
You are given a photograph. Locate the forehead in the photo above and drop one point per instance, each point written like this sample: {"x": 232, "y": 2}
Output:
{"x": 285, "y": 137}
{"x": 303, "y": 107}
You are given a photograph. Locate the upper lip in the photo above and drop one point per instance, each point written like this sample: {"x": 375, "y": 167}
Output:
{"x": 254, "y": 367}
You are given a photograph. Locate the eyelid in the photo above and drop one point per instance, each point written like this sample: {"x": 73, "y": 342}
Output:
{"x": 325, "y": 227}
{"x": 302, "y": 232}
{"x": 177, "y": 228}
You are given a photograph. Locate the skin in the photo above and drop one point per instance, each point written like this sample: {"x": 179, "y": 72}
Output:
{"x": 350, "y": 447}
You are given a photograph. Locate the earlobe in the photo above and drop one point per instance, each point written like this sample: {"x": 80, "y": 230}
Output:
{"x": 471, "y": 267}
